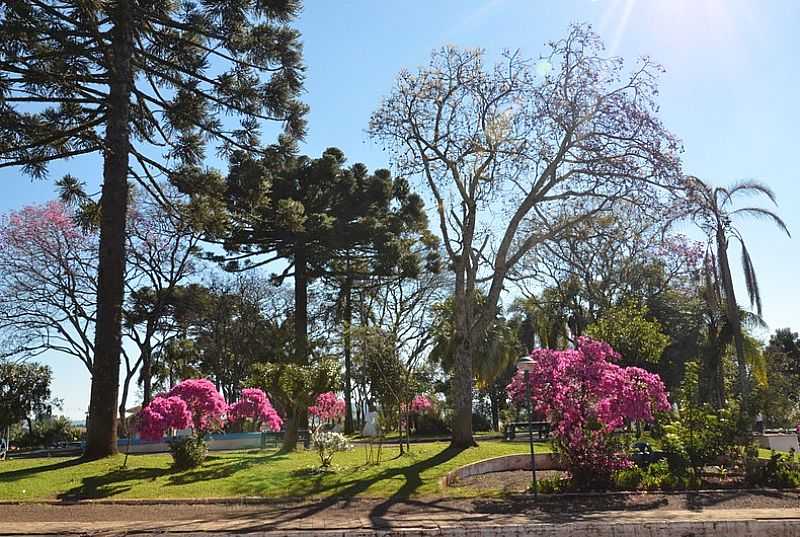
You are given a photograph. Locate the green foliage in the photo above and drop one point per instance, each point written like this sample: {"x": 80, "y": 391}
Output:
{"x": 294, "y": 386}
{"x": 45, "y": 432}
{"x": 498, "y": 349}
{"x": 780, "y": 471}
{"x": 188, "y": 452}
{"x": 554, "y": 485}
{"x": 480, "y": 422}
{"x": 656, "y": 476}
{"x": 24, "y": 389}
{"x": 430, "y": 424}
{"x": 333, "y": 213}
{"x": 779, "y": 397}
{"x": 627, "y": 328}
{"x": 700, "y": 435}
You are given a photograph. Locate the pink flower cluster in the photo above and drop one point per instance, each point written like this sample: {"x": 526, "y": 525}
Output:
{"x": 206, "y": 404}
{"x": 46, "y": 225}
{"x": 196, "y": 403}
{"x": 163, "y": 413}
{"x": 327, "y": 407}
{"x": 587, "y": 396}
{"x": 255, "y": 404}
{"x": 421, "y": 404}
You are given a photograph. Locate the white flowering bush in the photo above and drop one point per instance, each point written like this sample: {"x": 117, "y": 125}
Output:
{"x": 329, "y": 444}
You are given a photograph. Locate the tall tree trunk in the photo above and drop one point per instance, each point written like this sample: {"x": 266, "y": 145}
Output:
{"x": 462, "y": 395}
{"x": 291, "y": 434}
{"x": 300, "y": 306}
{"x": 461, "y": 383}
{"x": 101, "y": 438}
{"x": 348, "y": 360}
{"x": 732, "y": 309}
{"x": 494, "y": 402}
{"x": 147, "y": 373}
{"x": 298, "y": 416}
{"x": 123, "y": 403}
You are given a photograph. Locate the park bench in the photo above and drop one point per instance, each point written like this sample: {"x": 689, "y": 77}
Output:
{"x": 541, "y": 428}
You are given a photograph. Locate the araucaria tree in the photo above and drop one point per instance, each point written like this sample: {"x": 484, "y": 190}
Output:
{"x": 146, "y": 84}
{"x": 324, "y": 218}
{"x": 517, "y": 154}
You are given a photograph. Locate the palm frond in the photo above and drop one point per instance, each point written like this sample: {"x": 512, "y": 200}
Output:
{"x": 750, "y": 278}
{"x": 751, "y": 188}
{"x": 760, "y": 213}
{"x": 752, "y": 320}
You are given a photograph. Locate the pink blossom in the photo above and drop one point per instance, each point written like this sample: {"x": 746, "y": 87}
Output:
{"x": 586, "y": 396}
{"x": 255, "y": 404}
{"x": 421, "y": 404}
{"x": 327, "y": 407}
{"x": 47, "y": 229}
{"x": 205, "y": 403}
{"x": 161, "y": 414}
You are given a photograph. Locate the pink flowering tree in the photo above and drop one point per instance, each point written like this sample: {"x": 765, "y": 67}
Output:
{"x": 162, "y": 414}
{"x": 420, "y": 404}
{"x": 586, "y": 396}
{"x": 48, "y": 283}
{"x": 192, "y": 403}
{"x": 255, "y": 405}
{"x": 205, "y": 403}
{"x": 327, "y": 408}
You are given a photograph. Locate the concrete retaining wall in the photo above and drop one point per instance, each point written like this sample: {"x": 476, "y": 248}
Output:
{"x": 734, "y": 528}
{"x": 218, "y": 442}
{"x": 506, "y": 463}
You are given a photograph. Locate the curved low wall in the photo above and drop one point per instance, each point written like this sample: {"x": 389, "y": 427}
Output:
{"x": 506, "y": 463}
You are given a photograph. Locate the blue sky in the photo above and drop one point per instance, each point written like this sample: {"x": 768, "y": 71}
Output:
{"x": 729, "y": 92}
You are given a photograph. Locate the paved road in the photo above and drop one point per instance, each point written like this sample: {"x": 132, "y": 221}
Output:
{"x": 355, "y": 517}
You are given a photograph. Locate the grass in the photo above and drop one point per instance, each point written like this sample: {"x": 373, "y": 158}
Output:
{"x": 267, "y": 473}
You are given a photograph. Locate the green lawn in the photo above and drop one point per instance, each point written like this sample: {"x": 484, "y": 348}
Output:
{"x": 246, "y": 473}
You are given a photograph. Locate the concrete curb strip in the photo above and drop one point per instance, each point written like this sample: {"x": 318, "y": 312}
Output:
{"x": 733, "y": 528}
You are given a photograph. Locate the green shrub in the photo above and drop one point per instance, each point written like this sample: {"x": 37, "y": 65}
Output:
{"x": 780, "y": 471}
{"x": 45, "y": 433}
{"x": 699, "y": 435}
{"x": 656, "y": 476}
{"x": 188, "y": 452}
{"x": 480, "y": 422}
{"x": 427, "y": 424}
{"x": 553, "y": 485}
{"x": 629, "y": 478}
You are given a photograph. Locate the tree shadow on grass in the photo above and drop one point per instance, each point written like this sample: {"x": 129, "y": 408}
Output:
{"x": 347, "y": 491}
{"x": 222, "y": 467}
{"x": 111, "y": 483}
{"x": 22, "y": 473}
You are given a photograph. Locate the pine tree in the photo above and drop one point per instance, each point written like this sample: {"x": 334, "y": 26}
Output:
{"x": 146, "y": 84}
{"x": 327, "y": 220}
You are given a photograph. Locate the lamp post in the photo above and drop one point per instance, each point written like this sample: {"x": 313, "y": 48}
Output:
{"x": 525, "y": 364}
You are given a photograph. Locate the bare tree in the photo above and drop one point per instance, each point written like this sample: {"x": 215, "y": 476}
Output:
{"x": 48, "y": 281}
{"x": 162, "y": 250}
{"x": 601, "y": 261}
{"x": 518, "y": 154}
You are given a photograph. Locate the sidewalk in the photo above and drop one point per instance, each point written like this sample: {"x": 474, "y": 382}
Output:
{"x": 484, "y": 518}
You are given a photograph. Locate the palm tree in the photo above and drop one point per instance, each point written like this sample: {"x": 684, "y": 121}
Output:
{"x": 712, "y": 208}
